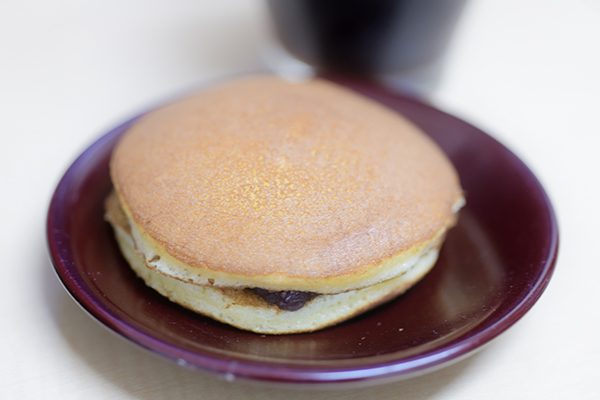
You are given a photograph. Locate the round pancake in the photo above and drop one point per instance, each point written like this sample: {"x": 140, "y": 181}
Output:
{"x": 266, "y": 183}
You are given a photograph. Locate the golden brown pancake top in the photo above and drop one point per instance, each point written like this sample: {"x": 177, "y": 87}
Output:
{"x": 266, "y": 177}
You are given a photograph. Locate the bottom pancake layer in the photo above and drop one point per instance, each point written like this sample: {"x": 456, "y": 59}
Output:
{"x": 246, "y": 310}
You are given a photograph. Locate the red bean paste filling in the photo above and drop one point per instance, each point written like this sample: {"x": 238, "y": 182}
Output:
{"x": 289, "y": 300}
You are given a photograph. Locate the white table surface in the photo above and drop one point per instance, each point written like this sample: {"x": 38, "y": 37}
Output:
{"x": 525, "y": 71}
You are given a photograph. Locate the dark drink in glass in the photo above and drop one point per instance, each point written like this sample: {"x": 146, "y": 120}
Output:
{"x": 365, "y": 36}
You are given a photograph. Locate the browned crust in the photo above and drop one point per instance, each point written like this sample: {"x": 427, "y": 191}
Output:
{"x": 267, "y": 178}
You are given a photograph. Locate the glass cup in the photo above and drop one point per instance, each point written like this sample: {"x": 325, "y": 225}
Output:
{"x": 401, "y": 40}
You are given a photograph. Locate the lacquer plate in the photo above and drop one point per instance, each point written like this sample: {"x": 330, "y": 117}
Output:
{"x": 494, "y": 266}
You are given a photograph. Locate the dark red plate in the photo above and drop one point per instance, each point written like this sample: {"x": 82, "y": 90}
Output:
{"x": 493, "y": 267}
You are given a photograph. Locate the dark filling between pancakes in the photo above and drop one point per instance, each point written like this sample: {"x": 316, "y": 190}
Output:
{"x": 289, "y": 300}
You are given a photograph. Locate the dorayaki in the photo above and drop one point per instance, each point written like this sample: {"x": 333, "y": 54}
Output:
{"x": 280, "y": 207}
